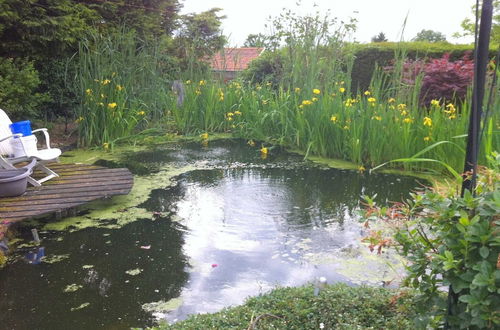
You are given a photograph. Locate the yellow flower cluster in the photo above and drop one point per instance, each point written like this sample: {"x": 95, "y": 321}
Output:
{"x": 349, "y": 102}
{"x": 435, "y": 103}
{"x": 451, "y": 111}
{"x": 427, "y": 121}
{"x": 316, "y": 91}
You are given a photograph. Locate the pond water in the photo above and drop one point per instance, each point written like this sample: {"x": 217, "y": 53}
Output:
{"x": 228, "y": 226}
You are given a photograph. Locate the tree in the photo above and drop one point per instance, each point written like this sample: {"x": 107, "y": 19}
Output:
{"x": 199, "y": 36}
{"x": 150, "y": 18}
{"x": 468, "y": 25}
{"x": 42, "y": 29}
{"x": 379, "y": 37}
{"x": 256, "y": 40}
{"x": 430, "y": 36}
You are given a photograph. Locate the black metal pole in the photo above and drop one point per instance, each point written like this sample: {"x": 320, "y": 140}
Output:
{"x": 480, "y": 64}
{"x": 470, "y": 167}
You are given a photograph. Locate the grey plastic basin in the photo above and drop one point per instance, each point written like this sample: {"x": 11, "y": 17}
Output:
{"x": 14, "y": 182}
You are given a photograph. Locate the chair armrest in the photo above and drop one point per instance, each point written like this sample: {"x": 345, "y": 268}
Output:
{"x": 45, "y": 133}
{"x": 11, "y": 136}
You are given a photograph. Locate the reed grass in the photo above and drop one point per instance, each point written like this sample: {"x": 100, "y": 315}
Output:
{"x": 125, "y": 89}
{"x": 122, "y": 87}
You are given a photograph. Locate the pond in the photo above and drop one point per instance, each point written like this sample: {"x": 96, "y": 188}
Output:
{"x": 225, "y": 224}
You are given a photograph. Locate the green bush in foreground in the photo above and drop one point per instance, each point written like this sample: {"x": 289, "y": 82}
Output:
{"x": 336, "y": 307}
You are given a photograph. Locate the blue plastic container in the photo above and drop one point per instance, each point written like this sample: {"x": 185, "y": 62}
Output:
{"x": 23, "y": 127}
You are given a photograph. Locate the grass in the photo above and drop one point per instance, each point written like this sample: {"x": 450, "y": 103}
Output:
{"x": 336, "y": 307}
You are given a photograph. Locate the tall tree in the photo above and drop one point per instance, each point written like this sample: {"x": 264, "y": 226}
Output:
{"x": 39, "y": 29}
{"x": 468, "y": 24}
{"x": 150, "y": 18}
{"x": 379, "y": 37}
{"x": 256, "y": 40}
{"x": 199, "y": 35}
{"x": 430, "y": 36}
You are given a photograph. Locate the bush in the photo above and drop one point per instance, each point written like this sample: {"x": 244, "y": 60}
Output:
{"x": 445, "y": 80}
{"x": 440, "y": 78}
{"x": 18, "y": 82}
{"x": 56, "y": 75}
{"x": 368, "y": 56}
{"x": 336, "y": 307}
{"x": 450, "y": 241}
{"x": 266, "y": 68}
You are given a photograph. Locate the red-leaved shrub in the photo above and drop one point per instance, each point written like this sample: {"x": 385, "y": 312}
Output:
{"x": 445, "y": 80}
{"x": 442, "y": 80}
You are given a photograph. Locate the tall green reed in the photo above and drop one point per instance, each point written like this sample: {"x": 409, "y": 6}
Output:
{"x": 122, "y": 83}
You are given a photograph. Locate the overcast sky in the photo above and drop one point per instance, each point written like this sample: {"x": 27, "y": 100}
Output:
{"x": 249, "y": 16}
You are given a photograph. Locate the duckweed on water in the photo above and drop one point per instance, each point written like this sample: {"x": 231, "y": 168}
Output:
{"x": 120, "y": 209}
{"x": 82, "y": 306}
{"x": 53, "y": 258}
{"x": 162, "y": 306}
{"x": 72, "y": 288}
{"x": 134, "y": 272}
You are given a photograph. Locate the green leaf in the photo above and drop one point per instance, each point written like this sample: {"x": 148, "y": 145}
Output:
{"x": 481, "y": 280}
{"x": 484, "y": 252}
{"x": 466, "y": 298}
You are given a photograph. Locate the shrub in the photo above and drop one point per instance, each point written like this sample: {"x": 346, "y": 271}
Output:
{"x": 266, "y": 68}
{"x": 442, "y": 79}
{"x": 18, "y": 82}
{"x": 446, "y": 80}
{"x": 336, "y": 307}
{"x": 450, "y": 241}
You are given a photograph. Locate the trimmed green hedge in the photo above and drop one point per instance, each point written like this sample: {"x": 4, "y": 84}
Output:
{"x": 367, "y": 56}
{"x": 382, "y": 53}
{"x": 336, "y": 307}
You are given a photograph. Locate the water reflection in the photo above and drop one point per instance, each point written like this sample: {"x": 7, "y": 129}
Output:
{"x": 258, "y": 227}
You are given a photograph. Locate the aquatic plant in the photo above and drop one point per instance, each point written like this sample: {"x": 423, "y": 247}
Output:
{"x": 369, "y": 128}
{"x": 121, "y": 87}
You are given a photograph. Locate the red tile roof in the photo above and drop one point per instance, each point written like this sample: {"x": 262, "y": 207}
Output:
{"x": 235, "y": 59}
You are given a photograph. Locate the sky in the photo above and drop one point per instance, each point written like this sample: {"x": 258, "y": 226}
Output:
{"x": 244, "y": 17}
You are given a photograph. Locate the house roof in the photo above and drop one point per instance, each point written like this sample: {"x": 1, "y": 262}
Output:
{"x": 235, "y": 59}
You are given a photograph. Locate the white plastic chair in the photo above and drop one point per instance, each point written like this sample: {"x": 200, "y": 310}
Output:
{"x": 14, "y": 149}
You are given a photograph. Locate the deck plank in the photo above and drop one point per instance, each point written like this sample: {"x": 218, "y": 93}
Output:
{"x": 77, "y": 184}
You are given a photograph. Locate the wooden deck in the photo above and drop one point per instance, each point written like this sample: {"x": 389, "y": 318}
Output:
{"x": 76, "y": 185}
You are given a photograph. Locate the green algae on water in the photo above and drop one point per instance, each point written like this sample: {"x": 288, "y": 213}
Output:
{"x": 134, "y": 272}
{"x": 120, "y": 210}
{"x": 52, "y": 259}
{"x": 82, "y": 306}
{"x": 72, "y": 288}
{"x": 162, "y": 306}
